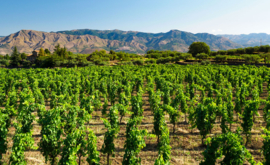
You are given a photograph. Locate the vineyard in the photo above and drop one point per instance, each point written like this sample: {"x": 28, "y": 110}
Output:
{"x": 153, "y": 114}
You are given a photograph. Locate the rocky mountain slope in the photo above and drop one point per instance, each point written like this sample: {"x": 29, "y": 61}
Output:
{"x": 87, "y": 41}
{"x": 172, "y": 40}
{"x": 253, "y": 39}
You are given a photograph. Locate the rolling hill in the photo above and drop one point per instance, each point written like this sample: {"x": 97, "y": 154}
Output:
{"x": 86, "y": 41}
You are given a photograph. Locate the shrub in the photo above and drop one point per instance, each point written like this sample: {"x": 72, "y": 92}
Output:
{"x": 4, "y": 62}
{"x": 213, "y": 53}
{"x": 206, "y": 62}
{"x": 249, "y": 59}
{"x": 106, "y": 59}
{"x": 222, "y": 52}
{"x": 57, "y": 63}
{"x": 164, "y": 60}
{"x": 104, "y": 63}
{"x": 266, "y": 57}
{"x": 126, "y": 63}
{"x": 150, "y": 61}
{"x": 97, "y": 61}
{"x": 202, "y": 56}
{"x": 26, "y": 63}
{"x": 185, "y": 56}
{"x": 138, "y": 62}
{"x": 221, "y": 58}
{"x": 240, "y": 51}
{"x": 231, "y": 52}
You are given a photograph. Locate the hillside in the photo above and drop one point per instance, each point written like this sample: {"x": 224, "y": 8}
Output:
{"x": 29, "y": 40}
{"x": 87, "y": 41}
{"x": 172, "y": 40}
{"x": 253, "y": 39}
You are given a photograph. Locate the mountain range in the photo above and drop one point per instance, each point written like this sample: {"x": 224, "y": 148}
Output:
{"x": 247, "y": 40}
{"x": 86, "y": 41}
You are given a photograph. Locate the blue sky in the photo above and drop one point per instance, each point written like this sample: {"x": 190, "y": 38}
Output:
{"x": 196, "y": 16}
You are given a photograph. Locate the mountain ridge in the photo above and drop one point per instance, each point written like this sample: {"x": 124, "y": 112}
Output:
{"x": 86, "y": 41}
{"x": 249, "y": 40}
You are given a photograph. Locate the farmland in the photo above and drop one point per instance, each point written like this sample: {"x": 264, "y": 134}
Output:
{"x": 152, "y": 114}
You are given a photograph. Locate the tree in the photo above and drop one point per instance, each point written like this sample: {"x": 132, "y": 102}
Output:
{"x": 112, "y": 52}
{"x": 47, "y": 51}
{"x": 23, "y": 56}
{"x": 60, "y": 52}
{"x": 15, "y": 57}
{"x": 7, "y": 57}
{"x": 41, "y": 52}
{"x": 199, "y": 47}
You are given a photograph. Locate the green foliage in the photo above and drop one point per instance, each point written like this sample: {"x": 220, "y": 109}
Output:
{"x": 134, "y": 143}
{"x": 221, "y": 58}
{"x": 113, "y": 117}
{"x": 202, "y": 56}
{"x": 265, "y": 57}
{"x": 136, "y": 103}
{"x": 71, "y": 147}
{"x": 247, "y": 118}
{"x": 204, "y": 117}
{"x": 21, "y": 142}
{"x": 174, "y": 115}
{"x": 199, "y": 47}
{"x": 25, "y": 117}
{"x": 266, "y": 146}
{"x": 158, "y": 122}
{"x": 230, "y": 146}
{"x": 251, "y": 59}
{"x": 47, "y": 51}
{"x": 74, "y": 118}
{"x": 51, "y": 131}
{"x": 93, "y": 154}
{"x": 41, "y": 52}
{"x": 150, "y": 61}
{"x": 4, "y": 125}
{"x": 108, "y": 145}
{"x": 15, "y": 57}
{"x": 222, "y": 52}
{"x": 138, "y": 62}
{"x": 23, "y": 56}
